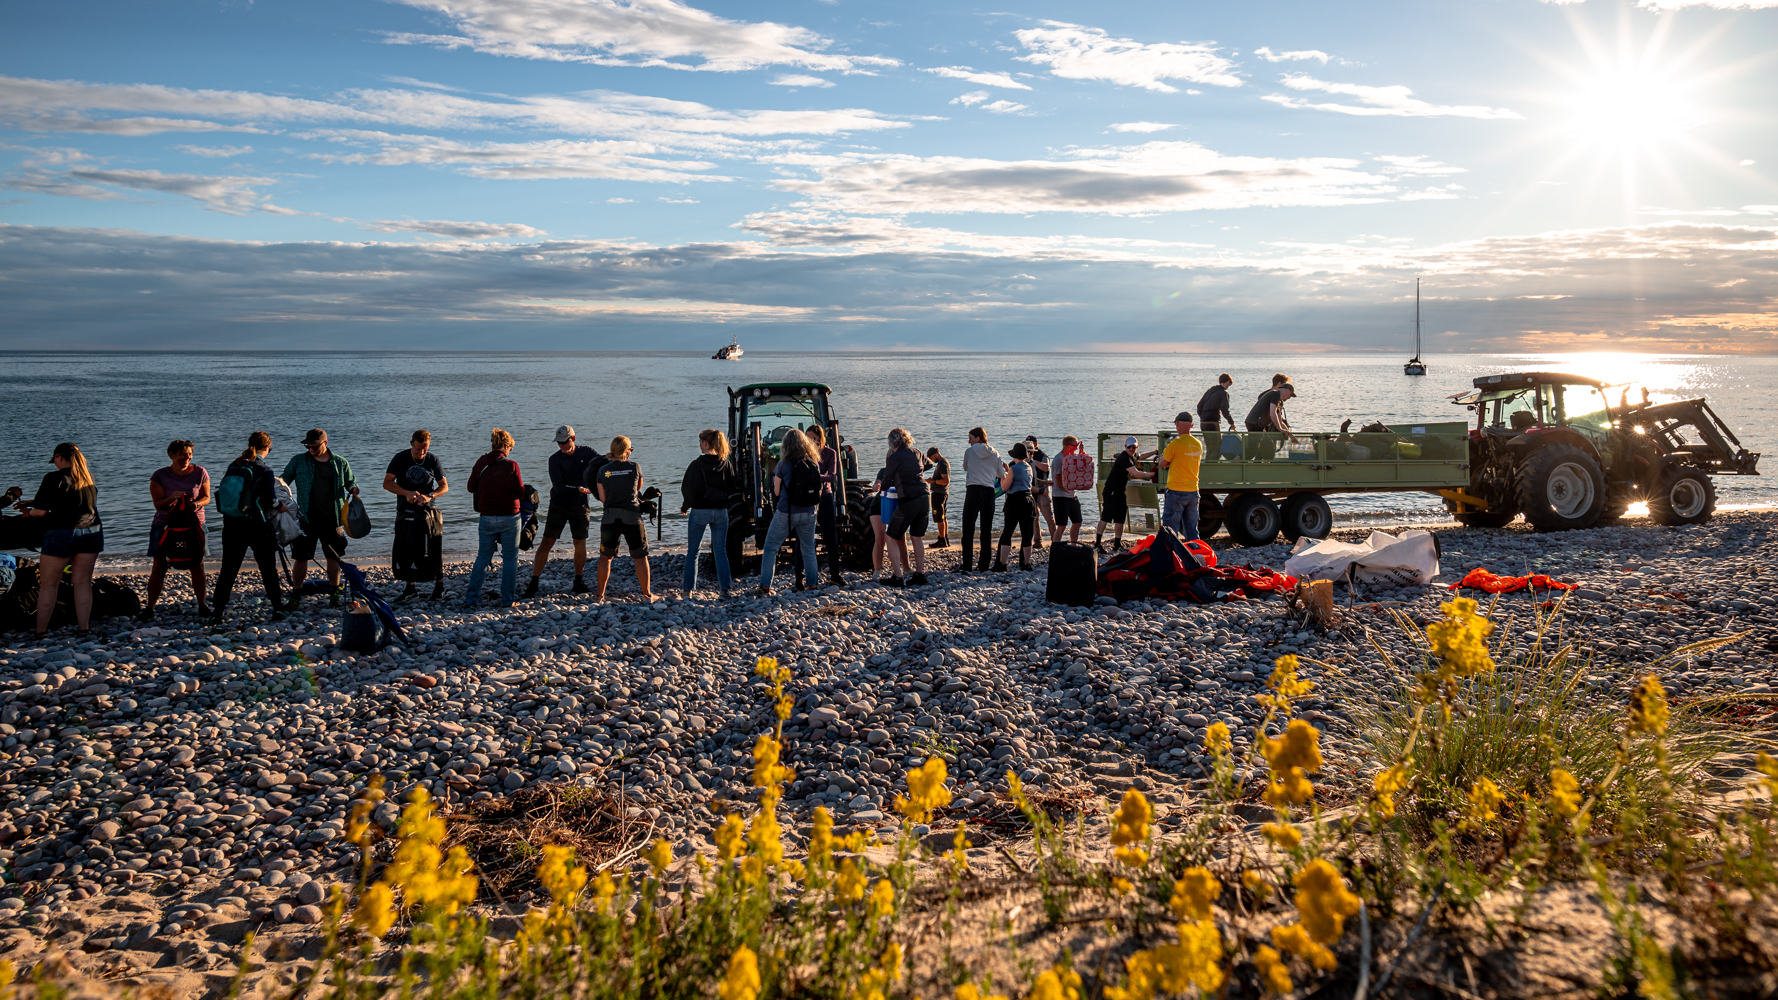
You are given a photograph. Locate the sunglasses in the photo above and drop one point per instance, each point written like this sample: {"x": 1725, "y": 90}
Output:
{"x": 317, "y": 445}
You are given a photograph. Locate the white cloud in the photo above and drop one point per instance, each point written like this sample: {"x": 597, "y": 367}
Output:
{"x": 454, "y": 230}
{"x": 1080, "y": 53}
{"x": 1418, "y": 166}
{"x": 220, "y": 152}
{"x": 1299, "y": 55}
{"x": 408, "y": 81}
{"x": 979, "y": 77}
{"x": 1747, "y": 163}
{"x": 620, "y": 201}
{"x": 1142, "y": 127}
{"x": 1681, "y": 4}
{"x": 660, "y": 33}
{"x": 121, "y": 126}
{"x": 799, "y": 80}
{"x": 973, "y": 97}
{"x": 1004, "y": 107}
{"x": 1397, "y": 101}
{"x": 663, "y": 199}
{"x": 233, "y": 195}
{"x": 545, "y": 159}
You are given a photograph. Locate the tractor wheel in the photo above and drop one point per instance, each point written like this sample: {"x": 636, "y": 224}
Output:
{"x": 1307, "y": 515}
{"x": 740, "y": 525}
{"x": 1494, "y": 517}
{"x": 1686, "y": 496}
{"x": 1210, "y": 516}
{"x": 1253, "y": 519}
{"x": 856, "y": 534}
{"x": 1617, "y": 503}
{"x": 1560, "y": 488}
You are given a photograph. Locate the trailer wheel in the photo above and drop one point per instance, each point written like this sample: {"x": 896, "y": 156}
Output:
{"x": 1686, "y": 496}
{"x": 856, "y": 534}
{"x": 1210, "y": 516}
{"x": 1307, "y": 515}
{"x": 1560, "y": 488}
{"x": 1253, "y": 519}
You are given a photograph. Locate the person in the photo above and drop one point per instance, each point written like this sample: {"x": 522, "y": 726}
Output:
{"x": 848, "y": 460}
{"x": 1040, "y": 489}
{"x": 567, "y": 506}
{"x": 796, "y": 493}
{"x": 1268, "y": 421}
{"x": 250, "y": 530}
{"x": 709, "y": 485}
{"x": 1179, "y": 510}
{"x": 180, "y": 484}
{"x": 1213, "y": 408}
{"x": 883, "y": 508}
{"x": 498, "y": 485}
{"x": 913, "y": 509}
{"x": 1067, "y": 502}
{"x": 982, "y": 469}
{"x": 619, "y": 487}
{"x": 938, "y": 486}
{"x": 68, "y": 502}
{"x": 417, "y": 479}
{"x": 827, "y": 515}
{"x": 1018, "y": 512}
{"x": 1114, "y": 502}
{"x": 321, "y": 480}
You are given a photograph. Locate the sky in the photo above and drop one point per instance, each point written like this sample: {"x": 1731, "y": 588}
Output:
{"x": 833, "y": 174}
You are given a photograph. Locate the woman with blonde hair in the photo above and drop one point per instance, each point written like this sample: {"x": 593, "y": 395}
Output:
{"x": 497, "y": 485}
{"x": 796, "y": 492}
{"x": 709, "y": 485}
{"x": 68, "y": 501}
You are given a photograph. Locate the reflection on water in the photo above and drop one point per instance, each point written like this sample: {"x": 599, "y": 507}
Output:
{"x": 122, "y": 408}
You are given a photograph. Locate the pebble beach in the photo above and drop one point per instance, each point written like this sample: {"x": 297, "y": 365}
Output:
{"x": 169, "y": 787}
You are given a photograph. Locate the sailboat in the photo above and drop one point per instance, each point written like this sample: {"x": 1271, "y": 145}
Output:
{"x": 730, "y": 353}
{"x": 1415, "y": 366}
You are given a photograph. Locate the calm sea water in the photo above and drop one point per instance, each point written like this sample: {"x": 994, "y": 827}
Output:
{"x": 123, "y": 408}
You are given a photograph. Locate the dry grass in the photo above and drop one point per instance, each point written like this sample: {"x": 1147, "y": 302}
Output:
{"x": 505, "y": 836}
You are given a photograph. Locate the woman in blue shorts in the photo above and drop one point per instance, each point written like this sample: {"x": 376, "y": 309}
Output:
{"x": 879, "y": 520}
{"x": 68, "y": 502}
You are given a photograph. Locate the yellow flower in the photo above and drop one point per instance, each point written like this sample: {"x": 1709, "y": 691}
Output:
{"x": 428, "y": 879}
{"x": 375, "y": 912}
{"x": 1323, "y": 901}
{"x": 1174, "y": 968}
{"x": 741, "y": 981}
{"x": 604, "y": 890}
{"x": 1460, "y": 640}
{"x": 1648, "y": 707}
{"x": 969, "y": 991}
{"x": 1484, "y": 802}
{"x": 1285, "y": 684}
{"x": 1216, "y": 738}
{"x": 7, "y": 974}
{"x": 1295, "y": 939}
{"x": 1257, "y": 884}
{"x": 1121, "y": 886}
{"x": 766, "y": 772}
{"x": 926, "y": 791}
{"x": 875, "y": 982}
{"x": 821, "y": 838}
{"x": 882, "y": 899}
{"x": 848, "y": 886}
{"x": 1768, "y": 766}
{"x": 1059, "y": 983}
{"x": 958, "y": 854}
{"x": 1388, "y": 783}
{"x": 1564, "y": 793}
{"x": 1300, "y": 746}
{"x": 1288, "y": 788}
{"x": 1272, "y": 971}
{"x": 768, "y": 668}
{"x": 1132, "y": 819}
{"x": 729, "y": 838}
{"x": 1282, "y": 834}
{"x": 1015, "y": 790}
{"x": 558, "y": 874}
{"x": 1193, "y": 894}
{"x": 659, "y": 856}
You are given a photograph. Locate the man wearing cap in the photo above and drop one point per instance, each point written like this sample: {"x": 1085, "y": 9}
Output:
{"x": 1184, "y": 453}
{"x": 1114, "y": 503}
{"x": 568, "y": 505}
{"x": 1040, "y": 487}
{"x": 1267, "y": 419}
{"x": 322, "y": 481}
{"x": 1213, "y": 409}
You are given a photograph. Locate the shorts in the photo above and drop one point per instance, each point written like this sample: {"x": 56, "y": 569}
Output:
{"x": 1067, "y": 509}
{"x": 64, "y": 543}
{"x": 910, "y": 515}
{"x": 611, "y": 531}
{"x": 578, "y": 519}
{"x": 940, "y": 500}
{"x": 1115, "y": 508}
{"x": 154, "y": 540}
{"x": 333, "y": 543}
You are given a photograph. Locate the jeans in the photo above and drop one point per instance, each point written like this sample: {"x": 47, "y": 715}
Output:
{"x": 783, "y": 525}
{"x": 1181, "y": 513}
{"x": 978, "y": 505}
{"x": 716, "y": 519}
{"x": 502, "y": 531}
{"x": 238, "y": 535}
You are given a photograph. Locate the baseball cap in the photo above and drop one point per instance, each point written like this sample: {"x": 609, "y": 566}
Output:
{"x": 564, "y": 433}
{"x": 314, "y": 435}
{"x": 1031, "y": 438}
{"x": 1130, "y": 442}
{"x": 1183, "y": 417}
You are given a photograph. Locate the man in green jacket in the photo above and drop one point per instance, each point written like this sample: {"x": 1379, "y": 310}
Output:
{"x": 321, "y": 480}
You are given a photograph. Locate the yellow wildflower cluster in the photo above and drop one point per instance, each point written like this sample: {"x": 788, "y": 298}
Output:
{"x": 1564, "y": 793}
{"x": 926, "y": 791}
{"x": 1257, "y": 884}
{"x": 874, "y": 984}
{"x": 730, "y": 838}
{"x": 958, "y": 856}
{"x": 848, "y": 885}
{"x": 1460, "y": 640}
{"x": 1272, "y": 970}
{"x": 559, "y": 875}
{"x": 1193, "y": 894}
{"x": 1648, "y": 707}
{"x": 1322, "y": 903}
{"x": 882, "y": 899}
{"x": 768, "y": 667}
{"x": 1484, "y": 803}
{"x": 1768, "y": 766}
{"x": 1388, "y": 783}
{"x": 741, "y": 981}
{"x": 764, "y": 836}
{"x": 358, "y": 828}
{"x": 1216, "y": 739}
{"x": 375, "y": 912}
{"x": 659, "y": 856}
{"x": 429, "y": 880}
{"x": 1292, "y": 757}
{"x": 1173, "y": 968}
{"x": 1132, "y": 818}
{"x": 970, "y": 991}
{"x": 604, "y": 891}
{"x": 1059, "y": 983}
{"x": 1282, "y": 834}
{"x": 1285, "y": 685}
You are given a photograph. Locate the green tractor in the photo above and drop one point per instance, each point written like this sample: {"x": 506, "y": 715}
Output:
{"x": 1555, "y": 448}
{"x": 759, "y": 417}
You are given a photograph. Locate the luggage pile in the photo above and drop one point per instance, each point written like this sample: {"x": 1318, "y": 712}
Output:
{"x": 1163, "y": 566}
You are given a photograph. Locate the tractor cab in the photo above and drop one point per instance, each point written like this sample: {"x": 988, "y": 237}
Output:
{"x": 1531, "y": 402}
{"x": 759, "y": 418}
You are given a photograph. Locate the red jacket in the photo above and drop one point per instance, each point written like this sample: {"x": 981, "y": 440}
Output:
{"x": 497, "y": 485}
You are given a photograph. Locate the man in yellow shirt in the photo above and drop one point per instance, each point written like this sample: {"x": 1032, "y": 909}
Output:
{"x": 1181, "y": 459}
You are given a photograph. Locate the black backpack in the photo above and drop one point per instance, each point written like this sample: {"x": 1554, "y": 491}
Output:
{"x": 804, "y": 488}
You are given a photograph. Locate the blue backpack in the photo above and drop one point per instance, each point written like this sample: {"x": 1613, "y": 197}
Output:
{"x": 234, "y": 498}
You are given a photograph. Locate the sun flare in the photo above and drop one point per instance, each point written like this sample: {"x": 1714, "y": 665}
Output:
{"x": 1629, "y": 110}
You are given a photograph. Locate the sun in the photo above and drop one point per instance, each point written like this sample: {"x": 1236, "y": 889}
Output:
{"x": 1630, "y": 110}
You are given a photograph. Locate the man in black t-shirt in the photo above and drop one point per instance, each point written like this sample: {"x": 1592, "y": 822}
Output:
{"x": 1114, "y": 503}
{"x": 417, "y": 479}
{"x": 568, "y": 506}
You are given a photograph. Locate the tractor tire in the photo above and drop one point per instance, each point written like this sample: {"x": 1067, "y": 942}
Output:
{"x": 1253, "y": 519}
{"x": 1210, "y": 516}
{"x": 740, "y": 525}
{"x": 1685, "y": 496}
{"x": 1616, "y": 506}
{"x": 1560, "y": 488}
{"x": 1306, "y": 515}
{"x": 856, "y": 534}
{"x": 1493, "y": 517}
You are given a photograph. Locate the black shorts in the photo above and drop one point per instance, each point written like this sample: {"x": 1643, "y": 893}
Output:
{"x": 910, "y": 515}
{"x": 332, "y": 542}
{"x": 1115, "y": 508}
{"x": 940, "y": 500}
{"x": 1067, "y": 509}
{"x": 578, "y": 520}
{"x": 611, "y": 531}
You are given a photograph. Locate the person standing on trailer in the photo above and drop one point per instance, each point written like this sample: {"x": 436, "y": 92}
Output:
{"x": 1213, "y": 410}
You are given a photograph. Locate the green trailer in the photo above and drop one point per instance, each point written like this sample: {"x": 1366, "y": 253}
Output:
{"x": 1262, "y": 483}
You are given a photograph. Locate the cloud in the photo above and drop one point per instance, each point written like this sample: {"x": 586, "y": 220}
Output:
{"x": 1299, "y": 55}
{"x": 799, "y": 80}
{"x": 1418, "y": 166}
{"x": 408, "y": 81}
{"x": 1142, "y": 127}
{"x": 1397, "y": 101}
{"x": 545, "y": 159}
{"x": 663, "y": 199}
{"x": 122, "y": 126}
{"x": 659, "y": 33}
{"x": 233, "y": 195}
{"x": 221, "y": 152}
{"x": 1080, "y": 53}
{"x": 1004, "y": 107}
{"x": 455, "y": 230}
{"x": 620, "y": 201}
{"x": 1681, "y": 4}
{"x": 978, "y": 77}
{"x": 973, "y": 97}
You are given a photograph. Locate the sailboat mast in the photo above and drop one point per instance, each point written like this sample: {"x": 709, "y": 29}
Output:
{"x": 1416, "y": 319}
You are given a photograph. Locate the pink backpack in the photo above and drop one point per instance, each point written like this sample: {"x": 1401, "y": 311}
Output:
{"x": 1074, "y": 472}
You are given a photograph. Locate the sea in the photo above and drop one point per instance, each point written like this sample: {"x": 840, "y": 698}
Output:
{"x": 123, "y": 408}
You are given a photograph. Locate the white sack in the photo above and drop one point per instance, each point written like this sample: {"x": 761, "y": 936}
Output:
{"x": 1398, "y": 561}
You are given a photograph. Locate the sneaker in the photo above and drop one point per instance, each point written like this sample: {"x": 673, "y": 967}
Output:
{"x": 277, "y": 616}
{"x": 580, "y": 586}
{"x": 763, "y": 591}
{"x": 943, "y": 543}
{"x": 893, "y": 581}
{"x": 836, "y": 580}
{"x": 531, "y": 588}
{"x": 438, "y": 591}
{"x": 409, "y": 594}
{"x": 145, "y": 615}
{"x": 1099, "y": 546}
{"x": 917, "y": 580}
{"x": 962, "y": 567}
{"x": 999, "y": 567}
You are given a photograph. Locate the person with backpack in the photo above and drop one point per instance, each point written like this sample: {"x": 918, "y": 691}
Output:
{"x": 1213, "y": 409}
{"x": 68, "y": 502}
{"x": 827, "y": 515}
{"x": 709, "y": 485}
{"x": 796, "y": 493}
{"x": 417, "y": 479}
{"x": 982, "y": 469}
{"x": 322, "y": 481}
{"x": 913, "y": 510}
{"x": 246, "y": 501}
{"x": 1074, "y": 472}
{"x": 620, "y": 490}
{"x": 498, "y": 486}
{"x": 568, "y": 506}
{"x": 1018, "y": 512}
{"x": 180, "y": 492}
